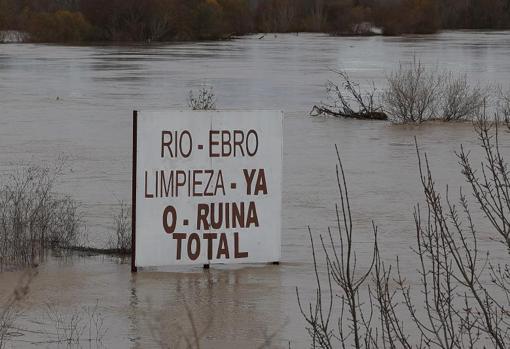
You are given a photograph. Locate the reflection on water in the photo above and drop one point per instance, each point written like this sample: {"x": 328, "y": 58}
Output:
{"x": 172, "y": 304}
{"x": 239, "y": 306}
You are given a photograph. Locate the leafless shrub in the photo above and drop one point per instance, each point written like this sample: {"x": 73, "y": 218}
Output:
{"x": 461, "y": 309}
{"x": 68, "y": 327}
{"x": 83, "y": 324}
{"x": 412, "y": 94}
{"x": 96, "y": 330}
{"x": 33, "y": 216}
{"x": 121, "y": 241}
{"x": 459, "y": 100}
{"x": 346, "y": 99}
{"x": 10, "y": 309}
{"x": 462, "y": 297}
{"x": 202, "y": 99}
{"x": 342, "y": 274}
{"x": 504, "y": 101}
{"x": 503, "y": 105}
{"x": 490, "y": 184}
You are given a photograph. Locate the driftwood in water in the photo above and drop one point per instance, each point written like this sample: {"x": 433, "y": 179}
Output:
{"x": 347, "y": 99}
{"x": 323, "y": 110}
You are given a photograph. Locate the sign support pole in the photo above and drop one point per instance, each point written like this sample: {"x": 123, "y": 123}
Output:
{"x": 133, "y": 195}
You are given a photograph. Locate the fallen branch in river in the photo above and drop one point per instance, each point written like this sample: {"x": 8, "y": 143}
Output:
{"x": 323, "y": 110}
{"x": 347, "y": 99}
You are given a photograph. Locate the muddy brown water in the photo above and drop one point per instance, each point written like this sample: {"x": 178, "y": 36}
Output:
{"x": 77, "y": 101}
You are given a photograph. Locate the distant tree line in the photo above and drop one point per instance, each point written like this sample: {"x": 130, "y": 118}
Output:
{"x": 168, "y": 20}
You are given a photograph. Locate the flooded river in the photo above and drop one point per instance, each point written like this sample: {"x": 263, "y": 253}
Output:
{"x": 77, "y": 102}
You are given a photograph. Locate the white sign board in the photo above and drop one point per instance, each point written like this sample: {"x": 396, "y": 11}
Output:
{"x": 208, "y": 187}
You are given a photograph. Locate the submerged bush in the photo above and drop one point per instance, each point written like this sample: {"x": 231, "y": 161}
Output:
{"x": 203, "y": 99}
{"x": 10, "y": 309}
{"x": 459, "y": 100}
{"x": 121, "y": 240}
{"x": 412, "y": 93}
{"x": 34, "y": 217}
{"x": 415, "y": 94}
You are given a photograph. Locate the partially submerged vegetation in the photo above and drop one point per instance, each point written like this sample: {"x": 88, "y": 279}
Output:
{"x": 33, "y": 217}
{"x": 85, "y": 324}
{"x": 413, "y": 94}
{"x": 202, "y": 99}
{"x": 346, "y": 99}
{"x": 10, "y": 309}
{"x": 170, "y": 20}
{"x": 76, "y": 328}
{"x": 121, "y": 240}
{"x": 461, "y": 298}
